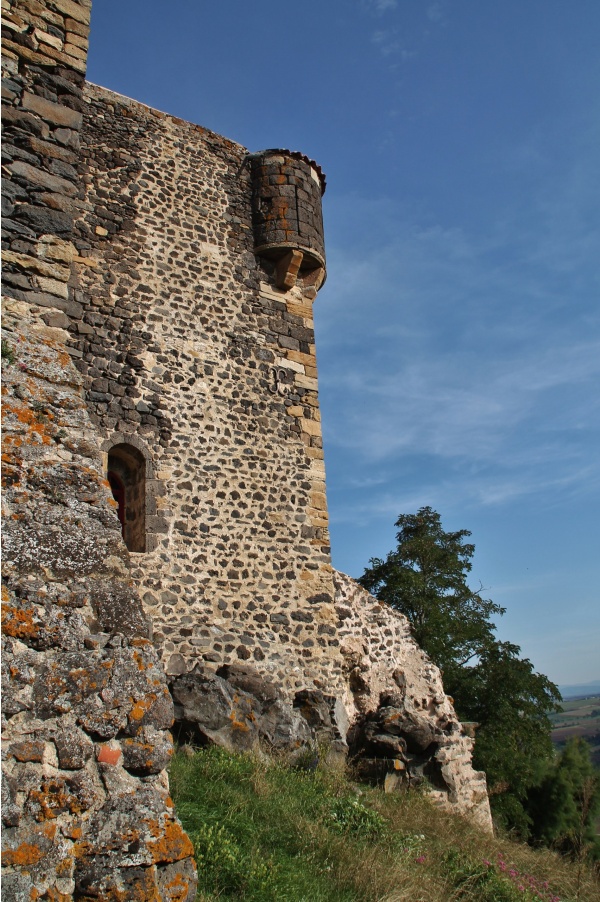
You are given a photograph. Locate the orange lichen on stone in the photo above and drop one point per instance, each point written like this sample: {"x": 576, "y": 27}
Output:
{"x": 89, "y": 681}
{"x": 29, "y": 418}
{"x": 10, "y": 471}
{"x": 146, "y": 748}
{"x": 29, "y": 750}
{"x": 171, "y": 843}
{"x": 139, "y": 660}
{"x": 236, "y": 723}
{"x": 63, "y": 357}
{"x": 19, "y": 623}
{"x": 141, "y": 708}
{"x": 178, "y": 888}
{"x": 25, "y": 855}
{"x": 54, "y": 895}
{"x": 64, "y": 868}
{"x": 54, "y": 799}
{"x": 72, "y": 832}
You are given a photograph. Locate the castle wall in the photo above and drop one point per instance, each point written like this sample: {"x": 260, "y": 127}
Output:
{"x": 188, "y": 348}
{"x": 86, "y": 709}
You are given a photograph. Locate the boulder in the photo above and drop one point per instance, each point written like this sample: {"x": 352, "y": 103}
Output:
{"x": 239, "y": 709}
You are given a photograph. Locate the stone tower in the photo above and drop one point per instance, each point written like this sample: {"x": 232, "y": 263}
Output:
{"x": 196, "y": 344}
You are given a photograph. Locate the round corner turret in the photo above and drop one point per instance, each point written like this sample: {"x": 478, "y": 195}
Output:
{"x": 287, "y": 217}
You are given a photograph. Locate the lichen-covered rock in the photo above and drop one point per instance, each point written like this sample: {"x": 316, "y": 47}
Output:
{"x": 239, "y": 709}
{"x": 86, "y": 708}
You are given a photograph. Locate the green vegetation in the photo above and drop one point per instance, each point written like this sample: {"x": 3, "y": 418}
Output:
{"x": 8, "y": 352}
{"x": 265, "y": 832}
{"x": 564, "y": 806}
{"x": 426, "y": 579}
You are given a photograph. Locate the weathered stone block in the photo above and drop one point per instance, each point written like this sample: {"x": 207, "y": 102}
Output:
{"x": 55, "y": 113}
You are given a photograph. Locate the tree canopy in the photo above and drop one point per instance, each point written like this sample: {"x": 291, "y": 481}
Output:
{"x": 425, "y": 578}
{"x": 565, "y": 805}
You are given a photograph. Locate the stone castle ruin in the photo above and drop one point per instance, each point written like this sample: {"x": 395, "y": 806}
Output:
{"x": 166, "y": 549}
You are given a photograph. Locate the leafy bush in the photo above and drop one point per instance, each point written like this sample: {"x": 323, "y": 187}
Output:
{"x": 349, "y": 815}
{"x": 226, "y": 868}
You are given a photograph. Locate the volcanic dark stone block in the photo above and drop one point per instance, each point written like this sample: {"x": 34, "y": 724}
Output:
{"x": 44, "y": 220}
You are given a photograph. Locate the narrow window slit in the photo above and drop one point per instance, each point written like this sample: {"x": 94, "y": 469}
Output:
{"x": 127, "y": 479}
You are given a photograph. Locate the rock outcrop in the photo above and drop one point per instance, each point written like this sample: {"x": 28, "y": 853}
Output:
{"x": 239, "y": 709}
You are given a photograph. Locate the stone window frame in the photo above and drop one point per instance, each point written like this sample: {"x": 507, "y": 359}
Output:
{"x": 155, "y": 524}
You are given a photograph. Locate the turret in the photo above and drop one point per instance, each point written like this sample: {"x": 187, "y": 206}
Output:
{"x": 287, "y": 219}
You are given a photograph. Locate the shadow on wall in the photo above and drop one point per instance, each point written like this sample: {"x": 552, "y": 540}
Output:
{"x": 127, "y": 478}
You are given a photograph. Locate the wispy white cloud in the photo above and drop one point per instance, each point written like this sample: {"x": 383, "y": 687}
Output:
{"x": 435, "y": 12}
{"x": 478, "y": 353}
{"x": 382, "y": 6}
{"x": 389, "y": 43}
{"x": 403, "y": 41}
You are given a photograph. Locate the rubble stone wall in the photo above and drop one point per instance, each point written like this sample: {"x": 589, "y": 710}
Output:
{"x": 44, "y": 52}
{"x": 187, "y": 347}
{"x": 385, "y": 668}
{"x": 86, "y": 711}
{"x": 286, "y": 205}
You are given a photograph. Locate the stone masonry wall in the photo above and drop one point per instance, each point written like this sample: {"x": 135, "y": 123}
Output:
{"x": 286, "y": 205}
{"x": 44, "y": 52}
{"x": 190, "y": 354}
{"x": 383, "y": 661}
{"x": 86, "y": 711}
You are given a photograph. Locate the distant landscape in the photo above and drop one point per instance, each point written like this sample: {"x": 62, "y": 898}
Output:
{"x": 578, "y": 690}
{"x": 580, "y": 716}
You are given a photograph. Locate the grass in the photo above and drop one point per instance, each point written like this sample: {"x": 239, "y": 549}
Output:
{"x": 265, "y": 832}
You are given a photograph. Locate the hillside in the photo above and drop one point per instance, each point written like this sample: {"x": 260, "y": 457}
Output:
{"x": 265, "y": 832}
{"x": 578, "y": 690}
{"x": 579, "y": 717}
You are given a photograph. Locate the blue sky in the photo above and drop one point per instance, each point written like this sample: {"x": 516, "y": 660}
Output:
{"x": 458, "y": 333}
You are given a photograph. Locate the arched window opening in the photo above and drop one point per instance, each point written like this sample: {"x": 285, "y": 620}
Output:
{"x": 127, "y": 478}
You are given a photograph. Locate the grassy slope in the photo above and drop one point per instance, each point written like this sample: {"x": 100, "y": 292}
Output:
{"x": 263, "y": 831}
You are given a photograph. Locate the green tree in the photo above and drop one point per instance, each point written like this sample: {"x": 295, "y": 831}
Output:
{"x": 565, "y": 805}
{"x": 425, "y": 578}
{"x": 511, "y": 703}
